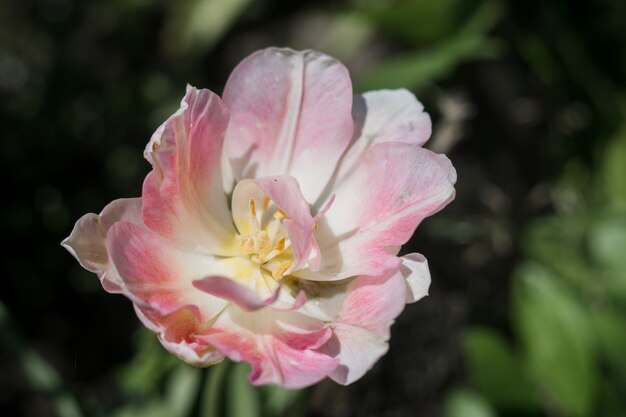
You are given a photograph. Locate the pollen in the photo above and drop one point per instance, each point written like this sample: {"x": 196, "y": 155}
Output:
{"x": 279, "y": 215}
{"x": 252, "y": 208}
{"x": 280, "y": 245}
{"x": 279, "y": 272}
{"x": 266, "y": 239}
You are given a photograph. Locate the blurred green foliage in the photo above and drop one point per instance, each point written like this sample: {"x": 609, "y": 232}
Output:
{"x": 457, "y": 41}
{"x": 568, "y": 310}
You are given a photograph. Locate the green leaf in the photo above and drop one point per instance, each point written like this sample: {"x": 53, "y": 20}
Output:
{"x": 153, "y": 407}
{"x": 278, "y": 401}
{"x": 423, "y": 21}
{"x": 243, "y": 398}
{"x": 610, "y": 326}
{"x": 182, "y": 389}
{"x": 614, "y": 175}
{"x": 415, "y": 70}
{"x": 558, "y": 243}
{"x": 196, "y": 25}
{"x": 416, "y": 21}
{"x": 212, "y": 404}
{"x": 607, "y": 242}
{"x": 497, "y": 371}
{"x": 462, "y": 403}
{"x": 558, "y": 339}
{"x": 147, "y": 369}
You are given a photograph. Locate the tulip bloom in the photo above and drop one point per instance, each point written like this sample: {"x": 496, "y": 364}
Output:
{"x": 269, "y": 227}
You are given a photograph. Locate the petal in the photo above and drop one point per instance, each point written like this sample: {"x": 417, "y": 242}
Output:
{"x": 362, "y": 328}
{"x": 378, "y": 207}
{"x": 247, "y": 299}
{"x": 291, "y": 305}
{"x": 87, "y": 242}
{"x": 176, "y": 333}
{"x": 384, "y": 116}
{"x": 159, "y": 277}
{"x": 227, "y": 289}
{"x": 184, "y": 198}
{"x": 285, "y": 192}
{"x": 290, "y": 114}
{"x": 281, "y": 347}
{"x": 415, "y": 271}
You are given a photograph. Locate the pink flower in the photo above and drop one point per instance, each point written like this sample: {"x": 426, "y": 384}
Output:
{"x": 269, "y": 227}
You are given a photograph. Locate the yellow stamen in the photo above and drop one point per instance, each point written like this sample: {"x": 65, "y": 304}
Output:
{"x": 252, "y": 208}
{"x": 279, "y": 215}
{"x": 280, "y": 271}
{"x": 280, "y": 244}
{"x": 266, "y": 203}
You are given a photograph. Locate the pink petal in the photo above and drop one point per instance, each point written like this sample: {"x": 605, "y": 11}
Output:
{"x": 415, "y": 271}
{"x": 246, "y": 298}
{"x": 285, "y": 192}
{"x": 229, "y": 290}
{"x": 177, "y": 333}
{"x": 87, "y": 242}
{"x": 300, "y": 300}
{"x": 281, "y": 347}
{"x": 184, "y": 199}
{"x": 383, "y": 116}
{"x": 378, "y": 207}
{"x": 290, "y": 114}
{"x": 159, "y": 277}
{"x": 362, "y": 328}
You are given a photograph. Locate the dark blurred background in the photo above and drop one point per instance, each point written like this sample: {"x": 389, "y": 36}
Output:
{"x": 527, "y": 310}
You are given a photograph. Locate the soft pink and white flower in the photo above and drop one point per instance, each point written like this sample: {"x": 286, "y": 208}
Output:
{"x": 269, "y": 227}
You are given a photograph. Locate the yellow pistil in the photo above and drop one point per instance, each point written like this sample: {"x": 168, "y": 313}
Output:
{"x": 259, "y": 243}
{"x": 246, "y": 245}
{"x": 261, "y": 246}
{"x": 264, "y": 250}
{"x": 279, "y": 272}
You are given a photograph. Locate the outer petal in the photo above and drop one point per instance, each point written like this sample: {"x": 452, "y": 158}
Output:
{"x": 157, "y": 276}
{"x": 87, "y": 242}
{"x": 383, "y": 116}
{"x": 177, "y": 333}
{"x": 290, "y": 114}
{"x": 362, "y": 329}
{"x": 415, "y": 271}
{"x": 378, "y": 207}
{"x": 391, "y": 116}
{"x": 183, "y": 196}
{"x": 282, "y": 347}
{"x": 285, "y": 192}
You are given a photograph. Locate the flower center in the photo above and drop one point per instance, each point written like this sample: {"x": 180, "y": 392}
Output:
{"x": 268, "y": 243}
